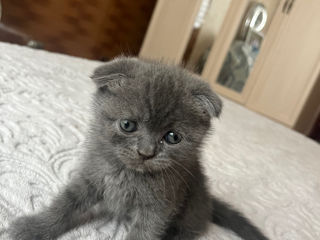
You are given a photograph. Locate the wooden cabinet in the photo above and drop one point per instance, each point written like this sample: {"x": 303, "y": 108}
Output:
{"x": 283, "y": 83}
{"x": 290, "y": 66}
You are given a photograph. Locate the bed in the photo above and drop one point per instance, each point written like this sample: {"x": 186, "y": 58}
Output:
{"x": 269, "y": 172}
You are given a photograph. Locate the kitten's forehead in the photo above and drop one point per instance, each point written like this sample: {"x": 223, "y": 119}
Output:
{"x": 152, "y": 91}
{"x": 157, "y": 97}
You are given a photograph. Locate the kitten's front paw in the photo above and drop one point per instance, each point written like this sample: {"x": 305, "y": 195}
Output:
{"x": 28, "y": 228}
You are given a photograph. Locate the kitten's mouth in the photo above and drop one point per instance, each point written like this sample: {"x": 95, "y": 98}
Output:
{"x": 139, "y": 167}
{"x": 149, "y": 165}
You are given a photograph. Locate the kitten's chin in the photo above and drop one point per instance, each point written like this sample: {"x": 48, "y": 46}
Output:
{"x": 140, "y": 168}
{"x": 146, "y": 166}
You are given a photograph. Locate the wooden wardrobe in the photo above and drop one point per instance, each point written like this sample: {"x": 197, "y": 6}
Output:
{"x": 284, "y": 82}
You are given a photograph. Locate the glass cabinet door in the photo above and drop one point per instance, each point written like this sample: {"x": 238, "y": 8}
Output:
{"x": 225, "y": 47}
{"x": 244, "y": 49}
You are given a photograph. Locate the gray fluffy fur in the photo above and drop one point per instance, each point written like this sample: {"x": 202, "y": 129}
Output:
{"x": 162, "y": 196}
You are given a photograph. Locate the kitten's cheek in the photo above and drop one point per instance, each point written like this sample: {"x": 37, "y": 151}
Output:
{"x": 118, "y": 139}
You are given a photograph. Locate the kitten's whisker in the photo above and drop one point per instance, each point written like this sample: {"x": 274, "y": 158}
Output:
{"x": 163, "y": 181}
{"x": 171, "y": 183}
{"x": 183, "y": 167}
{"x": 181, "y": 177}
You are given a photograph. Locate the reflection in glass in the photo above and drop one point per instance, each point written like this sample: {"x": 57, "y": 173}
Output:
{"x": 244, "y": 49}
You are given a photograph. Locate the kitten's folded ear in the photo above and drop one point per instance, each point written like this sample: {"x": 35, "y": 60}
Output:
{"x": 114, "y": 73}
{"x": 208, "y": 101}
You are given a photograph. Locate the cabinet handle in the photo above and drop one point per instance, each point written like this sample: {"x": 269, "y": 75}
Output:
{"x": 290, "y": 6}
{"x": 285, "y": 6}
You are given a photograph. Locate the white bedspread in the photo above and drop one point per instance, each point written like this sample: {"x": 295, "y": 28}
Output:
{"x": 267, "y": 171}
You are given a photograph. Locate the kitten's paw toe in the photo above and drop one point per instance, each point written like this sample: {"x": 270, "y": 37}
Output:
{"x": 27, "y": 228}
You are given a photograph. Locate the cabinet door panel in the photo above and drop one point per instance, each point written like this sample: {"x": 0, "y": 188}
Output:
{"x": 287, "y": 74}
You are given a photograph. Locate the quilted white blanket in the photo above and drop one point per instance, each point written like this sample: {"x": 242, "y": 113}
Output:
{"x": 267, "y": 171}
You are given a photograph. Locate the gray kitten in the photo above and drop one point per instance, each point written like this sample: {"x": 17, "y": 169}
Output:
{"x": 142, "y": 160}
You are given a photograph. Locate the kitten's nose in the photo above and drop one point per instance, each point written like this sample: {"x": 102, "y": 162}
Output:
{"x": 146, "y": 152}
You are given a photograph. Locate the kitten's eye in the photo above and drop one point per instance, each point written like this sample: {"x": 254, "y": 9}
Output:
{"x": 172, "y": 137}
{"x": 128, "y": 126}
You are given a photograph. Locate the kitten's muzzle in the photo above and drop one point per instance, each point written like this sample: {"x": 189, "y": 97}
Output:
{"x": 146, "y": 152}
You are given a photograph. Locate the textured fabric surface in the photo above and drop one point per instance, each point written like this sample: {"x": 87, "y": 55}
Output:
{"x": 267, "y": 171}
